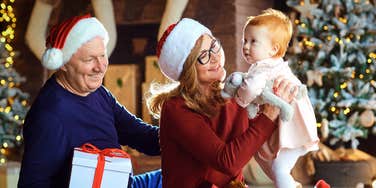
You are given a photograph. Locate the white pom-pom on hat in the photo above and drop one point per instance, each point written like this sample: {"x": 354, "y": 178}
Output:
{"x": 65, "y": 39}
{"x": 52, "y": 58}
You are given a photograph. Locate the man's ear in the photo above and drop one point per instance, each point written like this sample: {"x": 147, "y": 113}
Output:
{"x": 63, "y": 68}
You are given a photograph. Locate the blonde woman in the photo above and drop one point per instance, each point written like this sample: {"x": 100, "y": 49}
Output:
{"x": 205, "y": 140}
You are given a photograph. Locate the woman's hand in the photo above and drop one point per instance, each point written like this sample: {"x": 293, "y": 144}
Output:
{"x": 284, "y": 89}
{"x": 270, "y": 111}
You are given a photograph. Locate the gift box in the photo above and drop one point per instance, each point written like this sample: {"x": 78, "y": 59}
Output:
{"x": 9, "y": 173}
{"x": 94, "y": 168}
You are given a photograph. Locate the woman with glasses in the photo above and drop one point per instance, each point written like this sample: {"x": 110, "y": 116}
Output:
{"x": 205, "y": 140}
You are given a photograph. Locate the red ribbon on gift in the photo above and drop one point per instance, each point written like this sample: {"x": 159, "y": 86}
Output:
{"x": 109, "y": 152}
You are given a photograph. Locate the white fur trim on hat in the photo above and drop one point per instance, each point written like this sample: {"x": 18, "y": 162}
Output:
{"x": 178, "y": 46}
{"x": 82, "y": 32}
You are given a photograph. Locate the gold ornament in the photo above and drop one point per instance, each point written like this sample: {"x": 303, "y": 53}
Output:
{"x": 367, "y": 118}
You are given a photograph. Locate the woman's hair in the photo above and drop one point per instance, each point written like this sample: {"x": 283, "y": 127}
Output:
{"x": 188, "y": 88}
{"x": 278, "y": 25}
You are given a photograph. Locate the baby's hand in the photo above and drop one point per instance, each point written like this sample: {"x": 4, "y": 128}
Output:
{"x": 285, "y": 89}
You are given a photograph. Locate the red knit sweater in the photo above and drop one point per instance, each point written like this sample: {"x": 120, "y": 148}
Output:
{"x": 200, "y": 152}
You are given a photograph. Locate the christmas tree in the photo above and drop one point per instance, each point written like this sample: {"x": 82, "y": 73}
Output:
{"x": 13, "y": 102}
{"x": 333, "y": 52}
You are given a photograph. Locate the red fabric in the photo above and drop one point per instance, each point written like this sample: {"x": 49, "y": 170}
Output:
{"x": 163, "y": 38}
{"x": 322, "y": 184}
{"x": 59, "y": 33}
{"x": 202, "y": 152}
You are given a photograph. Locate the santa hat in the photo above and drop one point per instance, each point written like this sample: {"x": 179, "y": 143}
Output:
{"x": 176, "y": 44}
{"x": 65, "y": 39}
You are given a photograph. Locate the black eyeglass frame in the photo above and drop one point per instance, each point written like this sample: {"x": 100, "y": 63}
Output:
{"x": 213, "y": 44}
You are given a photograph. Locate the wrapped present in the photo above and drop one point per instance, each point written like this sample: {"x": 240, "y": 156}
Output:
{"x": 96, "y": 168}
{"x": 9, "y": 173}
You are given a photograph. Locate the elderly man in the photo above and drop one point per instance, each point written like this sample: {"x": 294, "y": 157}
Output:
{"x": 73, "y": 108}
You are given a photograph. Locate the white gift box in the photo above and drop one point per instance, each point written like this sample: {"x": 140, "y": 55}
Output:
{"x": 115, "y": 174}
{"x": 9, "y": 174}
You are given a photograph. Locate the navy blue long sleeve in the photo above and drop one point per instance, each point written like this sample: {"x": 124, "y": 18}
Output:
{"x": 58, "y": 121}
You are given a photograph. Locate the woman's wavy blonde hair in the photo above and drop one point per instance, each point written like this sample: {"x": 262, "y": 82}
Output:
{"x": 188, "y": 88}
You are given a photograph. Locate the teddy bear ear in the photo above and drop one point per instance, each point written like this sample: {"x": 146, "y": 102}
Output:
{"x": 225, "y": 95}
{"x": 236, "y": 78}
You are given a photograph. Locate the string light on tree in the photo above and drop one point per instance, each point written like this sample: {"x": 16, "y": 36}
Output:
{"x": 338, "y": 45}
{"x": 13, "y": 102}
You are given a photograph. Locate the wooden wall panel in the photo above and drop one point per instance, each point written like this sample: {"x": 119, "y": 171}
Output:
{"x": 122, "y": 81}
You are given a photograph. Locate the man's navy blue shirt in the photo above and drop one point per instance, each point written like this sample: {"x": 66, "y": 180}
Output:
{"x": 58, "y": 121}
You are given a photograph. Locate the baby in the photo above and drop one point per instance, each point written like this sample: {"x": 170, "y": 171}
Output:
{"x": 265, "y": 41}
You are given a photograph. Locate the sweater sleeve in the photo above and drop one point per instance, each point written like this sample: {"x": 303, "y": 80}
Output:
{"x": 134, "y": 132}
{"x": 192, "y": 131}
{"x": 46, "y": 151}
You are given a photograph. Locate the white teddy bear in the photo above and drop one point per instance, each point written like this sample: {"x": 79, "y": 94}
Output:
{"x": 234, "y": 81}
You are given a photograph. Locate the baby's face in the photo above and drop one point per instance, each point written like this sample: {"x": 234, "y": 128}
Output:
{"x": 256, "y": 44}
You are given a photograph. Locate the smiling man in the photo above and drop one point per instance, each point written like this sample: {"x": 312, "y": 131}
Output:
{"x": 74, "y": 108}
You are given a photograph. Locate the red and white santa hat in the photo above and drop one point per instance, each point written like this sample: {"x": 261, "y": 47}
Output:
{"x": 65, "y": 39}
{"x": 176, "y": 44}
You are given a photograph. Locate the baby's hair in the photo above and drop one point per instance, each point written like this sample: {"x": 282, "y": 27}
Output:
{"x": 278, "y": 25}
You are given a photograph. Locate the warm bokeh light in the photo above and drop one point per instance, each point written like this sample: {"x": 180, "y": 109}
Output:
{"x": 343, "y": 85}
{"x": 18, "y": 137}
{"x": 333, "y": 109}
{"x": 318, "y": 125}
{"x": 346, "y": 111}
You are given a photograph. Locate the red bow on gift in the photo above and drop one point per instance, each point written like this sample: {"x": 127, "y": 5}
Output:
{"x": 109, "y": 152}
{"x": 322, "y": 184}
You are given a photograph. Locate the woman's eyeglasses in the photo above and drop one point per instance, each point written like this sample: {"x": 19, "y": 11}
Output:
{"x": 205, "y": 55}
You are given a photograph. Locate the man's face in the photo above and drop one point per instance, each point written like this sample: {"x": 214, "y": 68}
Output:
{"x": 86, "y": 69}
